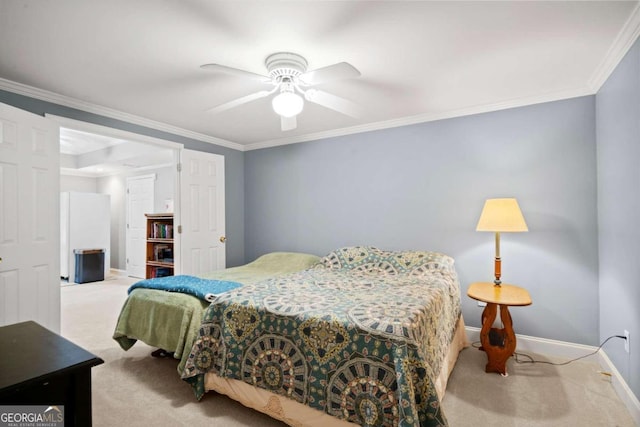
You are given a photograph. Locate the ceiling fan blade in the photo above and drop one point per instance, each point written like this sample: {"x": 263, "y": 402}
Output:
{"x": 235, "y": 72}
{"x": 288, "y": 123}
{"x": 236, "y": 102}
{"x": 334, "y": 102}
{"x": 339, "y": 71}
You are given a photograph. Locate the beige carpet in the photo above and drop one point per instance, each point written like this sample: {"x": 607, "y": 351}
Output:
{"x": 133, "y": 389}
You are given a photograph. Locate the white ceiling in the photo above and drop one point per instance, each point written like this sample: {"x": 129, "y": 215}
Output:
{"x": 139, "y": 60}
{"x": 91, "y": 155}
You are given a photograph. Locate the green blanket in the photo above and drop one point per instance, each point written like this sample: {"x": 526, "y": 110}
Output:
{"x": 170, "y": 320}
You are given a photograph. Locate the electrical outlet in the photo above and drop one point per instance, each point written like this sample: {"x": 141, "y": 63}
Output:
{"x": 626, "y": 341}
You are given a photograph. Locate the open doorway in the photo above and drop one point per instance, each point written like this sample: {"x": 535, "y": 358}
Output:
{"x": 95, "y": 161}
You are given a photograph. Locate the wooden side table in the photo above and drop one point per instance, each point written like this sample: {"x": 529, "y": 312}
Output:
{"x": 499, "y": 344}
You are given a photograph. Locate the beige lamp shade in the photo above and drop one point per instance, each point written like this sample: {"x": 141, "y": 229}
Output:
{"x": 501, "y": 215}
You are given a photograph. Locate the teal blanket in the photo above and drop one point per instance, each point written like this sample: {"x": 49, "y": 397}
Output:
{"x": 191, "y": 285}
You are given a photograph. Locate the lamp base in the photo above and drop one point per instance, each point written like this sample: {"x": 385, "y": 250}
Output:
{"x": 497, "y": 271}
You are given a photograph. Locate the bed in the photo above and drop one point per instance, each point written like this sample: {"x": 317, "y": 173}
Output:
{"x": 364, "y": 337}
{"x": 171, "y": 320}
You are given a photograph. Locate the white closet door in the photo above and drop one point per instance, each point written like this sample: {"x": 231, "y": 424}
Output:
{"x": 140, "y": 201}
{"x": 29, "y": 219}
{"x": 201, "y": 215}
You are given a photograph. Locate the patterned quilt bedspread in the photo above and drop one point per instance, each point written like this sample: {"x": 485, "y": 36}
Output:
{"x": 360, "y": 336}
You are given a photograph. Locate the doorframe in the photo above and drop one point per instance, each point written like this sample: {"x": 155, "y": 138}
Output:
{"x": 65, "y": 122}
{"x": 112, "y": 132}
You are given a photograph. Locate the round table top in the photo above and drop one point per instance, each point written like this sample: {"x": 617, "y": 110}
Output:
{"x": 504, "y": 294}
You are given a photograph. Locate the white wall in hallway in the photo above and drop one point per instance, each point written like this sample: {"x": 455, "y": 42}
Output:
{"x": 115, "y": 186}
{"x": 83, "y": 184}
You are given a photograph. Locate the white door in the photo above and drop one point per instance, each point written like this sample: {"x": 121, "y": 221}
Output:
{"x": 201, "y": 214}
{"x": 140, "y": 201}
{"x": 29, "y": 219}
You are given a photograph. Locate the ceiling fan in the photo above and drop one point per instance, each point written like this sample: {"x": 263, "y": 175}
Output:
{"x": 289, "y": 77}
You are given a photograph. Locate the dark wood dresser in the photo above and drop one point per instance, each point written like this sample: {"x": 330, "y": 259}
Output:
{"x": 39, "y": 367}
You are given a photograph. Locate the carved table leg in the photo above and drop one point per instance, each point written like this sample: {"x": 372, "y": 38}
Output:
{"x": 499, "y": 344}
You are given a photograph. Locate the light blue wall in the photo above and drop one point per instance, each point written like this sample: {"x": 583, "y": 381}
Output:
{"x": 618, "y": 141}
{"x": 423, "y": 187}
{"x": 234, "y": 162}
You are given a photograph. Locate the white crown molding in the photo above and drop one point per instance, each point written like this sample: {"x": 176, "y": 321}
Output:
{"x": 79, "y": 125}
{"x": 571, "y": 351}
{"x": 45, "y": 95}
{"x": 422, "y": 118}
{"x": 76, "y": 172}
{"x": 621, "y": 45}
{"x": 55, "y": 98}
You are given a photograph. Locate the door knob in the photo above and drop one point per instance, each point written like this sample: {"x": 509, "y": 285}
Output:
{"x": 223, "y": 239}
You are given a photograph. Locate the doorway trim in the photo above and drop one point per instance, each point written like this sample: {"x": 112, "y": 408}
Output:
{"x": 65, "y": 122}
{"x": 112, "y": 132}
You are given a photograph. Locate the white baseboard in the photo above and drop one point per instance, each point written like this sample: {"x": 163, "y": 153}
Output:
{"x": 526, "y": 343}
{"x": 621, "y": 387}
{"x": 117, "y": 272}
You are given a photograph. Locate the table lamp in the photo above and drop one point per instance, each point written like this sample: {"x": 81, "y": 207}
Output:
{"x": 500, "y": 216}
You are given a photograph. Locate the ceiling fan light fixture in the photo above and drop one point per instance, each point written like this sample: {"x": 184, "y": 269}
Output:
{"x": 289, "y": 76}
{"x": 287, "y": 104}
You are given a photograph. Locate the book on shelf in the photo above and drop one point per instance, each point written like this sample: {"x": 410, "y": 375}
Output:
{"x": 162, "y": 230}
{"x": 163, "y": 253}
{"x": 163, "y": 272}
